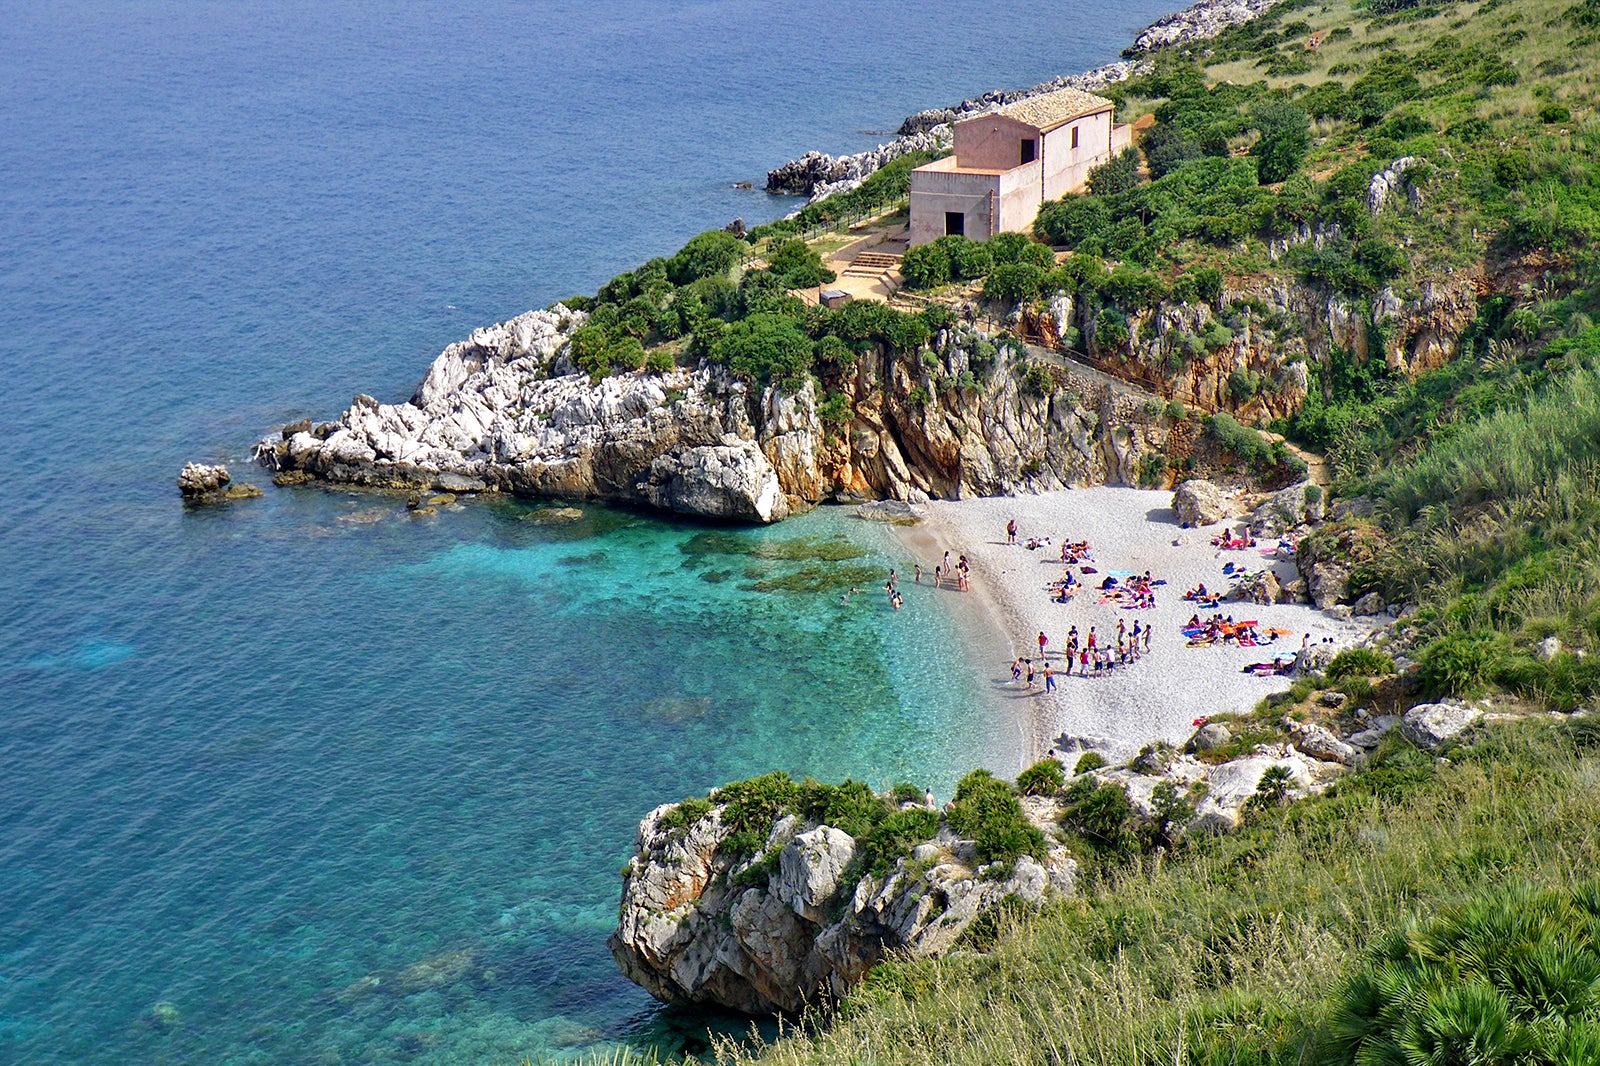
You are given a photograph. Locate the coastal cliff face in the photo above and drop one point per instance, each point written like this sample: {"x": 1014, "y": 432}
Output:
{"x": 501, "y": 411}
{"x": 974, "y": 414}
{"x": 798, "y": 924}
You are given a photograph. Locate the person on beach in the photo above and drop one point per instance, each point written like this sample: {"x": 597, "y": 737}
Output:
{"x": 1016, "y": 669}
{"x": 1043, "y": 640}
{"x": 1011, "y": 531}
{"x": 947, "y": 562}
{"x": 938, "y": 577}
{"x": 894, "y": 580}
{"x": 1136, "y": 632}
{"x": 1083, "y": 663}
{"x": 916, "y": 573}
{"x": 1030, "y": 673}
{"x": 1092, "y": 639}
{"x": 1049, "y": 678}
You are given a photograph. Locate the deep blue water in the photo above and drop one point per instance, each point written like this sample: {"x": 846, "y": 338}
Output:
{"x": 252, "y": 757}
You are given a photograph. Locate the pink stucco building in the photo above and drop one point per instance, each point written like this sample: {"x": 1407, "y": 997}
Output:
{"x": 1009, "y": 162}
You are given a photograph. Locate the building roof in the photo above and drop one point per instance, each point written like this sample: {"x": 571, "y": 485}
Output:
{"x": 1049, "y": 110}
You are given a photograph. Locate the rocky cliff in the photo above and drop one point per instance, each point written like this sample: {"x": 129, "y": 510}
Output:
{"x": 799, "y": 923}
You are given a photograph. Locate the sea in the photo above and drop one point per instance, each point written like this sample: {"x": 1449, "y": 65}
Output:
{"x": 303, "y": 779}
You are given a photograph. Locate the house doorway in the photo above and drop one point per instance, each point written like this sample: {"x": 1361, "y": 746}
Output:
{"x": 955, "y": 224}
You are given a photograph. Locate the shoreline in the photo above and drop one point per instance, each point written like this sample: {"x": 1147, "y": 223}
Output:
{"x": 1156, "y": 698}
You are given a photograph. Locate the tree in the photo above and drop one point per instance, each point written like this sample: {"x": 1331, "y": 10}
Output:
{"x": 799, "y": 265}
{"x": 1119, "y": 174}
{"x": 1285, "y": 137}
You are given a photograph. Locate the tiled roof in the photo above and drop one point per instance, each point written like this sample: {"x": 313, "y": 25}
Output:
{"x": 1049, "y": 110}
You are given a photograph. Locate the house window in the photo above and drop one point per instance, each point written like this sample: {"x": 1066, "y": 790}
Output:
{"x": 1074, "y": 136}
{"x": 955, "y": 223}
{"x": 1028, "y": 150}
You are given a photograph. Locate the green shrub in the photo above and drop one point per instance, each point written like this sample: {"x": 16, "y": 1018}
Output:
{"x": 659, "y": 361}
{"x": 1014, "y": 282}
{"x": 706, "y": 255}
{"x": 1089, "y": 760}
{"x": 1461, "y": 664}
{"x": 1100, "y": 814}
{"x": 1007, "y": 247}
{"x": 1043, "y": 778}
{"x": 967, "y": 258}
{"x": 1110, "y": 329}
{"x": 799, "y": 265}
{"x": 1359, "y": 662}
{"x": 1037, "y": 380}
{"x": 1285, "y": 137}
{"x": 1119, "y": 174}
{"x": 986, "y": 811}
{"x": 625, "y": 354}
{"x": 1512, "y": 977}
{"x": 893, "y": 838}
{"x": 752, "y": 807}
{"x": 686, "y": 814}
{"x": 766, "y": 348}
{"x": 906, "y": 793}
{"x": 926, "y": 266}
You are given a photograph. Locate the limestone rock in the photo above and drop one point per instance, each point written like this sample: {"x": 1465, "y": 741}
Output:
{"x": 1377, "y": 728}
{"x": 1209, "y": 736}
{"x": 202, "y": 484}
{"x": 1319, "y": 743}
{"x": 698, "y": 925}
{"x": 1262, "y": 588}
{"x": 1431, "y": 726}
{"x": 1548, "y": 648}
{"x": 1370, "y": 604}
{"x": 1200, "y": 503}
{"x": 1286, "y": 509}
{"x": 729, "y": 480}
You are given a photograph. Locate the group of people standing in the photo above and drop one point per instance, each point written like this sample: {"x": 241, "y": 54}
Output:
{"x": 958, "y": 573}
{"x": 1088, "y": 652}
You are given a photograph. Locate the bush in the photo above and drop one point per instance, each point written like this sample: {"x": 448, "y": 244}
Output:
{"x": 1119, "y": 174}
{"x": 1043, "y": 778}
{"x": 1461, "y": 664}
{"x": 1208, "y": 284}
{"x": 1037, "y": 380}
{"x": 1007, "y": 247}
{"x": 1508, "y": 977}
{"x": 879, "y": 848}
{"x": 1014, "y": 283}
{"x": 968, "y": 259}
{"x": 1100, "y": 814}
{"x": 926, "y": 266}
{"x": 686, "y": 814}
{"x": 752, "y": 807}
{"x": 799, "y": 265}
{"x": 1554, "y": 113}
{"x": 986, "y": 811}
{"x": 709, "y": 254}
{"x": 1359, "y": 662}
{"x": 1089, "y": 760}
{"x": 1110, "y": 329}
{"x": 660, "y": 361}
{"x": 766, "y": 348}
{"x": 1285, "y": 137}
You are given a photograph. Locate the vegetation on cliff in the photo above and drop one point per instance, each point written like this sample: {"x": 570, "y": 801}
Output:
{"x": 1422, "y": 911}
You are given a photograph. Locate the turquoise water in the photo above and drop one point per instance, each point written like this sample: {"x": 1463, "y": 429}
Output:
{"x": 253, "y": 758}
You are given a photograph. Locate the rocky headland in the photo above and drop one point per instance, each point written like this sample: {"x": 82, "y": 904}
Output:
{"x": 781, "y": 911}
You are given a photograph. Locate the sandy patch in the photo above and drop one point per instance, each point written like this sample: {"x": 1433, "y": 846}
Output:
{"x": 1159, "y": 696}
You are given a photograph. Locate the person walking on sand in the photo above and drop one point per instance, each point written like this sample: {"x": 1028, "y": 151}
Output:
{"x": 1030, "y": 673}
{"x": 1147, "y": 630}
{"x": 1043, "y": 640}
{"x": 1083, "y": 663}
{"x": 1049, "y": 678}
{"x": 1092, "y": 639}
{"x": 1011, "y": 531}
{"x": 938, "y": 577}
{"x": 1016, "y": 669}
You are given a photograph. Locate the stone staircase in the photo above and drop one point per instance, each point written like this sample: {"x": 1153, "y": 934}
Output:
{"x": 876, "y": 266}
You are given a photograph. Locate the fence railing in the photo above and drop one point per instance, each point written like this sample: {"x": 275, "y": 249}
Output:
{"x": 837, "y": 225}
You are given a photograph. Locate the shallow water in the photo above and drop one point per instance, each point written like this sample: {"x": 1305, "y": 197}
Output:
{"x": 253, "y": 757}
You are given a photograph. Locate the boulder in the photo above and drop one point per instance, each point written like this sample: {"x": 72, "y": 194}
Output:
{"x": 1431, "y": 726}
{"x": 1370, "y": 604}
{"x": 1210, "y": 736}
{"x": 199, "y": 483}
{"x": 1261, "y": 588}
{"x": 809, "y": 869}
{"x": 1200, "y": 503}
{"x": 1286, "y": 509}
{"x": 729, "y": 480}
{"x": 1548, "y": 648}
{"x": 1313, "y": 660}
{"x": 1377, "y": 728}
{"x": 1321, "y": 744}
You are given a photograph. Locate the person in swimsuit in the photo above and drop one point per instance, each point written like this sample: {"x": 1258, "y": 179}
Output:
{"x": 1011, "y": 531}
{"x": 1049, "y": 678}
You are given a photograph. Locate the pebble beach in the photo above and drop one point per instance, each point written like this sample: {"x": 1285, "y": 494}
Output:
{"x": 1157, "y": 697}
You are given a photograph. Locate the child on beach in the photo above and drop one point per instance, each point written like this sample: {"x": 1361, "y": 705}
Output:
{"x": 1043, "y": 640}
{"x": 1016, "y": 669}
{"x": 1030, "y": 673}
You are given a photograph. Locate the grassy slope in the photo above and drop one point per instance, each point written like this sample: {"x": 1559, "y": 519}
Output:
{"x": 1233, "y": 951}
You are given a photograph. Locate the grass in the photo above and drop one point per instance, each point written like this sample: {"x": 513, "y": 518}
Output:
{"x": 1235, "y": 950}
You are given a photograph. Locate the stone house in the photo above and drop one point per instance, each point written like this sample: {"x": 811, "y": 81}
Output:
{"x": 1009, "y": 162}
